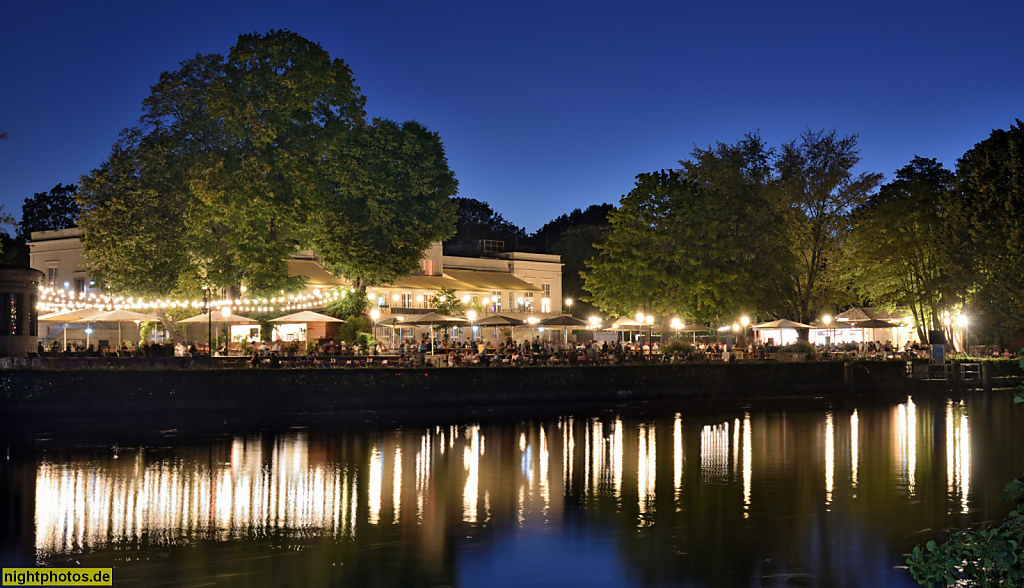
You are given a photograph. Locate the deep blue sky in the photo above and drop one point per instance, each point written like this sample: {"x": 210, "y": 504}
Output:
{"x": 543, "y": 106}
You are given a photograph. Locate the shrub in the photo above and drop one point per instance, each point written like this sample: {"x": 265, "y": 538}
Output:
{"x": 674, "y": 346}
{"x": 799, "y": 347}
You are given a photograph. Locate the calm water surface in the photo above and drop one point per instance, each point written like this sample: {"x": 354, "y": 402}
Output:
{"x": 833, "y": 495}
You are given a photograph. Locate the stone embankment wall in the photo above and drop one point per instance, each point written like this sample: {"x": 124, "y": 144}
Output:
{"x": 262, "y": 391}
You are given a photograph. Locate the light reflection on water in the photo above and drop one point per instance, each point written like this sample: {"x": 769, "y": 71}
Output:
{"x": 755, "y": 470}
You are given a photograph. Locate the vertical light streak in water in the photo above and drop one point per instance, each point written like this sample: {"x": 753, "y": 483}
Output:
{"x": 423, "y": 464}
{"x": 617, "y": 460}
{"x": 748, "y": 466}
{"x": 906, "y": 444}
{"x": 830, "y": 457}
{"x": 854, "y": 447}
{"x": 545, "y": 480}
{"x": 958, "y": 454}
{"x": 677, "y": 456}
{"x": 950, "y": 451}
{"x": 396, "y": 490}
{"x": 471, "y": 463}
{"x": 568, "y": 451}
{"x": 646, "y": 470}
{"x": 375, "y": 484}
{"x": 596, "y": 462}
{"x": 714, "y": 453}
{"x": 526, "y": 469}
{"x": 735, "y": 445}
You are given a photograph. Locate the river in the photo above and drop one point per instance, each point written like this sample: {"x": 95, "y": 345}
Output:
{"x": 818, "y": 493}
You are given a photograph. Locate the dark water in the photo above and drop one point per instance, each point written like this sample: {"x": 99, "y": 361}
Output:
{"x": 829, "y": 495}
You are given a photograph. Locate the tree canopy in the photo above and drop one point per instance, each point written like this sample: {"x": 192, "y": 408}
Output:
{"x": 239, "y": 162}
{"x": 49, "y": 211}
{"x": 738, "y": 228}
{"x": 476, "y": 220}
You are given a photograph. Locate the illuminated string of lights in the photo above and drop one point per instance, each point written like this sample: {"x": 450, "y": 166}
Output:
{"x": 64, "y": 300}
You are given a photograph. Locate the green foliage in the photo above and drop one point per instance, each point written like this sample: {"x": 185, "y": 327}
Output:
{"x": 702, "y": 241}
{"x": 578, "y": 245}
{"x": 476, "y": 220}
{"x": 985, "y": 234}
{"x": 349, "y": 302}
{"x": 350, "y": 330}
{"x": 238, "y": 160}
{"x": 48, "y": 211}
{"x": 446, "y": 303}
{"x": 988, "y": 556}
{"x": 674, "y": 346}
{"x": 892, "y": 258}
{"x": 798, "y": 347}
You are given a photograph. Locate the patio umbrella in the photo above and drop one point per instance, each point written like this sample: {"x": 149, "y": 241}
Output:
{"x": 500, "y": 320}
{"x": 873, "y": 324}
{"x": 121, "y": 315}
{"x": 432, "y": 319}
{"x": 218, "y": 317}
{"x": 781, "y": 324}
{"x": 624, "y": 323}
{"x": 564, "y": 321}
{"x": 82, "y": 315}
{"x": 306, "y": 316}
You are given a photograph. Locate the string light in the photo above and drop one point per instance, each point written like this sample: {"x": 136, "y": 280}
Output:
{"x": 61, "y": 300}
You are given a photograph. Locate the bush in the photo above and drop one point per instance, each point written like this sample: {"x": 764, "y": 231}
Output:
{"x": 674, "y": 346}
{"x": 799, "y": 347}
{"x": 350, "y": 330}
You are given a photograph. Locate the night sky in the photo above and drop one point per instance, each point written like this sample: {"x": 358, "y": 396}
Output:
{"x": 543, "y": 106}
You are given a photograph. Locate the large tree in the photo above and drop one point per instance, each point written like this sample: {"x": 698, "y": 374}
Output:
{"x": 819, "y": 191}
{"x": 48, "y": 211}
{"x": 239, "y": 162}
{"x": 985, "y": 228}
{"x": 895, "y": 251}
{"x": 700, "y": 241}
{"x": 476, "y": 221}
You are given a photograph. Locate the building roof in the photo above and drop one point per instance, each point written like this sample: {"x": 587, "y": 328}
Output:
{"x": 491, "y": 281}
{"x": 429, "y": 283}
{"x": 858, "y": 314}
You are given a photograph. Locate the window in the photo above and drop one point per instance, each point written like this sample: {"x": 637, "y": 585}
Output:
{"x": 406, "y": 299}
{"x": 495, "y": 301}
{"x": 528, "y": 301}
{"x": 79, "y": 284}
{"x": 427, "y": 265}
{"x": 51, "y": 275}
{"x": 545, "y": 298}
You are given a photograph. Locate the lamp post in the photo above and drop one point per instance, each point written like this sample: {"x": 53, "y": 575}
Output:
{"x": 594, "y": 322}
{"x": 676, "y": 325}
{"x": 744, "y": 321}
{"x": 640, "y": 319}
{"x": 649, "y": 319}
{"x": 471, "y": 315}
{"x": 568, "y": 305}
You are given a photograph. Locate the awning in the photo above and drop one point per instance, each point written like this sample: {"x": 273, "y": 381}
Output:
{"x": 492, "y": 281}
{"x": 428, "y": 283}
{"x": 318, "y": 276}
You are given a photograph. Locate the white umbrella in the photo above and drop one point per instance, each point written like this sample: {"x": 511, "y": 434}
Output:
{"x": 82, "y": 315}
{"x": 306, "y": 316}
{"x": 121, "y": 315}
{"x": 433, "y": 318}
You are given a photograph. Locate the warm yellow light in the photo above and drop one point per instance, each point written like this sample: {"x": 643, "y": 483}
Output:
{"x": 471, "y": 315}
{"x": 396, "y": 297}
{"x": 466, "y": 299}
{"x": 487, "y": 300}
{"x": 594, "y": 321}
{"x": 639, "y": 317}
{"x": 649, "y": 319}
{"x": 676, "y": 323}
{"x": 419, "y": 298}
{"x": 946, "y": 321}
{"x": 442, "y": 298}
{"x": 225, "y": 311}
{"x": 827, "y": 319}
{"x": 745, "y": 320}
{"x": 375, "y": 314}
{"x": 568, "y": 301}
{"x": 736, "y": 327}
{"x": 961, "y": 321}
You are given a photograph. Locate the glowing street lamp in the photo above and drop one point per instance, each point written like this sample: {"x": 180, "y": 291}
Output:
{"x": 594, "y": 322}
{"x": 744, "y": 321}
{"x": 961, "y": 321}
{"x": 676, "y": 324}
{"x": 471, "y": 315}
{"x": 375, "y": 314}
